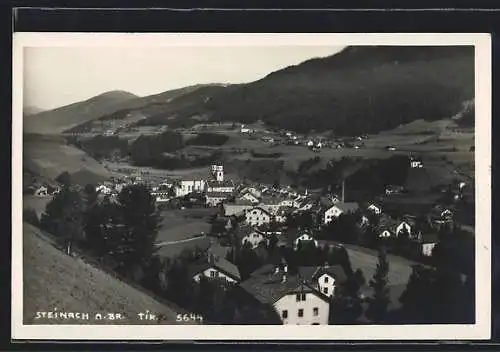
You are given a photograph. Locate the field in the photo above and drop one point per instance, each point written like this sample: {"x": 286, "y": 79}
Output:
{"x": 182, "y": 230}
{"x": 50, "y": 282}
{"x": 50, "y": 156}
{"x": 178, "y": 225}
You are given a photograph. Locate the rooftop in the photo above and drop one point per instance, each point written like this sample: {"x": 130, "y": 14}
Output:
{"x": 268, "y": 287}
{"x": 220, "y": 263}
{"x": 215, "y": 183}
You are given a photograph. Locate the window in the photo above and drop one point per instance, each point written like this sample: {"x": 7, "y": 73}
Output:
{"x": 284, "y": 314}
{"x": 213, "y": 273}
{"x": 297, "y": 297}
{"x": 315, "y": 312}
{"x": 325, "y": 290}
{"x": 326, "y": 279}
{"x": 303, "y": 297}
{"x": 301, "y": 313}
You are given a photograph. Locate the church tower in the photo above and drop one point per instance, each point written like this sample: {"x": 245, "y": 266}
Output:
{"x": 218, "y": 172}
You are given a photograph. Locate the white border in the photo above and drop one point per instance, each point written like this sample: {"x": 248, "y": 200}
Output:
{"x": 480, "y": 330}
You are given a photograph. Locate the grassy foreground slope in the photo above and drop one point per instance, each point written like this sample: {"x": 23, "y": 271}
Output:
{"x": 53, "y": 279}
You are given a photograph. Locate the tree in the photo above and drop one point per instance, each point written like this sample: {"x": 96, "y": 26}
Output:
{"x": 63, "y": 217}
{"x": 345, "y": 307}
{"x": 64, "y": 179}
{"x": 135, "y": 236}
{"x": 379, "y": 302}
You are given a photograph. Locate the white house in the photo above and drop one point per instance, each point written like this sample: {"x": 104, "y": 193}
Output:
{"x": 213, "y": 199}
{"x": 403, "y": 226}
{"x": 186, "y": 187}
{"x": 253, "y": 237}
{"x": 216, "y": 268}
{"x": 220, "y": 186}
{"x": 374, "y": 208}
{"x": 304, "y": 237}
{"x": 337, "y": 209}
{"x": 41, "y": 191}
{"x": 257, "y": 216}
{"x": 243, "y": 129}
{"x": 310, "y": 144}
{"x": 303, "y": 306}
{"x": 327, "y": 278}
{"x": 295, "y": 301}
{"x": 161, "y": 196}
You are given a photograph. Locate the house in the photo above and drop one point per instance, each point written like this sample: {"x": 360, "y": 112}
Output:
{"x": 403, "y": 225}
{"x": 258, "y": 216}
{"x": 41, "y": 191}
{"x": 302, "y": 237}
{"x": 243, "y": 129}
{"x": 416, "y": 162}
{"x": 161, "y": 196}
{"x": 185, "y": 187}
{"x": 310, "y": 144}
{"x": 215, "y": 267}
{"x": 237, "y": 208}
{"x": 215, "y": 198}
{"x": 374, "y": 208}
{"x": 224, "y": 186}
{"x": 253, "y": 190}
{"x": 392, "y": 189}
{"x": 295, "y": 301}
{"x": 104, "y": 189}
{"x": 249, "y": 196}
{"x": 282, "y": 214}
{"x": 327, "y": 278}
{"x": 428, "y": 242}
{"x": 251, "y": 236}
{"x": 338, "y": 209}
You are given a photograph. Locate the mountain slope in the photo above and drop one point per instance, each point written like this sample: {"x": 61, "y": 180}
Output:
{"x": 157, "y": 107}
{"x": 49, "y": 156}
{"x": 31, "y": 110}
{"x": 57, "y": 120}
{"x": 358, "y": 90}
{"x": 54, "y": 280}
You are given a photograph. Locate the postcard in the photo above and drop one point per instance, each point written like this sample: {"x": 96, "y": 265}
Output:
{"x": 230, "y": 186}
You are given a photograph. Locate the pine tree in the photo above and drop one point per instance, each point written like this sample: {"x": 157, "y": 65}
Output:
{"x": 135, "y": 236}
{"x": 379, "y": 303}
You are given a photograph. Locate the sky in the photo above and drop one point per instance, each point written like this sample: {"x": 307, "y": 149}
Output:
{"x": 58, "y": 76}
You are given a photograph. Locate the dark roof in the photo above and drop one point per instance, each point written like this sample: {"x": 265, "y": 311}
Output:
{"x": 261, "y": 208}
{"x": 215, "y": 183}
{"x": 219, "y": 263}
{"x": 268, "y": 287}
{"x": 335, "y": 271}
{"x": 349, "y": 207}
{"x": 217, "y": 195}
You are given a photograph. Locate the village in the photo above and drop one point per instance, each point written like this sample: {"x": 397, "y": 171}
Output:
{"x": 275, "y": 222}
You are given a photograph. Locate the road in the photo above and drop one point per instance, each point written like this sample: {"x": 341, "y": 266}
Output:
{"x": 166, "y": 243}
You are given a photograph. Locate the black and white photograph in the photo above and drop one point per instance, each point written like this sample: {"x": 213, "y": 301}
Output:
{"x": 251, "y": 186}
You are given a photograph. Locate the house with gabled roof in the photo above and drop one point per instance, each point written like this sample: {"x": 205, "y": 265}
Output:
{"x": 215, "y": 267}
{"x": 338, "y": 209}
{"x": 292, "y": 298}
{"x": 257, "y": 216}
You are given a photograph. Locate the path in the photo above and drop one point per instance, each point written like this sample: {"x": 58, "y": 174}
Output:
{"x": 166, "y": 243}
